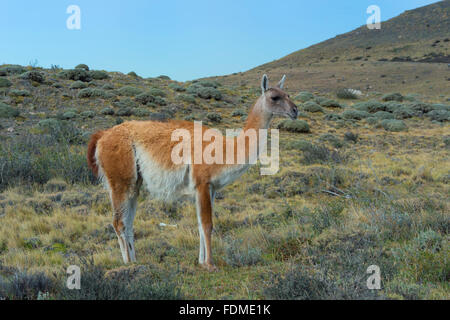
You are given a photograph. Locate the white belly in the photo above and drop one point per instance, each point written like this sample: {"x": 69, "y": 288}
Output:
{"x": 167, "y": 185}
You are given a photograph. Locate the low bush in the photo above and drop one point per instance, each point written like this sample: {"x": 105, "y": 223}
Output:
{"x": 238, "y": 256}
{"x": 5, "y": 83}
{"x": 304, "y": 96}
{"x": 157, "y": 92}
{"x": 298, "y": 126}
{"x": 82, "y": 66}
{"x": 75, "y": 75}
{"x": 33, "y": 75}
{"x": 176, "y": 87}
{"x": 328, "y": 103}
{"x": 403, "y": 112}
{"x": 393, "y": 125}
{"x": 98, "y": 75}
{"x": 214, "y": 117}
{"x": 311, "y": 106}
{"x": 370, "y": 106}
{"x": 383, "y": 115}
{"x": 19, "y": 93}
{"x": 7, "y": 111}
{"x": 392, "y": 97}
{"x": 438, "y": 115}
{"x": 78, "y": 85}
{"x": 141, "y": 112}
{"x": 209, "y": 92}
{"x": 12, "y": 69}
{"x": 189, "y": 98}
{"x": 130, "y": 91}
{"x": 355, "y": 114}
{"x": 145, "y": 98}
{"x": 94, "y": 93}
{"x": 107, "y": 111}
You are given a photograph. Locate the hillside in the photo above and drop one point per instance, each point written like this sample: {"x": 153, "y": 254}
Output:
{"x": 409, "y": 54}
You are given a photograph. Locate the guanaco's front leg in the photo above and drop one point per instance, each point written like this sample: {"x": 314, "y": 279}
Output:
{"x": 204, "y": 215}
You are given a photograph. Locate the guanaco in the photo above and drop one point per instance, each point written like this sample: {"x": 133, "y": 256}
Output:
{"x": 136, "y": 152}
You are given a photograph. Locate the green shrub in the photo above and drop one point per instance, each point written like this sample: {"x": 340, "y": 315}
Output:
{"x": 392, "y": 97}
{"x": 403, "y": 112}
{"x": 7, "y": 111}
{"x": 355, "y": 114}
{"x": 350, "y": 136}
{"x": 33, "y": 76}
{"x": 298, "y": 126}
{"x": 5, "y": 83}
{"x": 328, "y": 103}
{"x": 78, "y": 85}
{"x": 12, "y": 69}
{"x": 145, "y": 98}
{"x": 75, "y": 75}
{"x": 125, "y": 103}
{"x": 301, "y": 284}
{"x": 346, "y": 94}
{"x": 393, "y": 125}
{"x": 87, "y": 114}
{"x": 318, "y": 154}
{"x": 157, "y": 92}
{"x": 332, "y": 117}
{"x": 133, "y": 74}
{"x": 98, "y": 75}
{"x": 94, "y": 93}
{"x": 391, "y": 106}
{"x": 26, "y": 286}
{"x": 237, "y": 256}
{"x": 141, "y": 112}
{"x": 238, "y": 113}
{"x": 419, "y": 108}
{"x": 189, "y": 98}
{"x": 82, "y": 66}
{"x": 311, "y": 106}
{"x": 208, "y": 93}
{"x": 332, "y": 139}
{"x": 96, "y": 285}
{"x": 107, "y": 111}
{"x": 108, "y": 86}
{"x": 304, "y": 96}
{"x": 176, "y": 87}
{"x": 370, "y": 106}
{"x": 19, "y": 93}
{"x": 438, "y": 115}
{"x": 214, "y": 117}
{"x": 130, "y": 91}
{"x": 164, "y": 77}
{"x": 160, "y": 101}
{"x": 207, "y": 83}
{"x": 383, "y": 115}
{"x": 373, "y": 120}
{"x": 69, "y": 115}
{"x": 124, "y": 112}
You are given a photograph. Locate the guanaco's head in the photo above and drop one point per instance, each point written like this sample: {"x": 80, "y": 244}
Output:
{"x": 276, "y": 101}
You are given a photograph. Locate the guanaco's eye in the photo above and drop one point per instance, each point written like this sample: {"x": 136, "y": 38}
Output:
{"x": 276, "y": 98}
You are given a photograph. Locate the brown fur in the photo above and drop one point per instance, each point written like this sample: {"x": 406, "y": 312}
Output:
{"x": 92, "y": 163}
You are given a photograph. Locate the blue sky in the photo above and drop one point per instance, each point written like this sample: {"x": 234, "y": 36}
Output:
{"x": 182, "y": 39}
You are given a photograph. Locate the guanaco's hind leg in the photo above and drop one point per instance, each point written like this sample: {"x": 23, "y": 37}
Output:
{"x": 204, "y": 215}
{"x": 124, "y": 213}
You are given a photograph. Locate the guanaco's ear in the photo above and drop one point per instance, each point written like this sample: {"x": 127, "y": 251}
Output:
{"x": 281, "y": 83}
{"x": 264, "y": 83}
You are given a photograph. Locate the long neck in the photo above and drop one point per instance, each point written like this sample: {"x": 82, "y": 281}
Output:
{"x": 257, "y": 119}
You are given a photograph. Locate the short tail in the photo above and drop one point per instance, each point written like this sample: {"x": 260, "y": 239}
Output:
{"x": 92, "y": 162}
